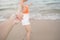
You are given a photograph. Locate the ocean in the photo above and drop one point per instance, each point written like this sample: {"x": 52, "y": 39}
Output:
{"x": 40, "y": 9}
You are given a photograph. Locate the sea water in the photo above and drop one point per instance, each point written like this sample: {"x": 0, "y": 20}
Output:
{"x": 40, "y": 9}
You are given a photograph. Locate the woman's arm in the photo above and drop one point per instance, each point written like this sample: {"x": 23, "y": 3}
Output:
{"x": 30, "y": 4}
{"x": 5, "y": 27}
{"x": 20, "y": 9}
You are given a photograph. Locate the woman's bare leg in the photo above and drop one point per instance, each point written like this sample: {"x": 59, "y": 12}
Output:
{"x": 28, "y": 31}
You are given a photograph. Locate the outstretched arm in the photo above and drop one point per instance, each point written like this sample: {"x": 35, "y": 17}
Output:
{"x": 20, "y": 9}
{"x": 30, "y": 4}
{"x": 5, "y": 27}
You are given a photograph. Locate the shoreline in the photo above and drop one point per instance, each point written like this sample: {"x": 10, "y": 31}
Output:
{"x": 41, "y": 30}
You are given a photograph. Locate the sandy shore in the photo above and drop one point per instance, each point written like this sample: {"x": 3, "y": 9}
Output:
{"x": 41, "y": 30}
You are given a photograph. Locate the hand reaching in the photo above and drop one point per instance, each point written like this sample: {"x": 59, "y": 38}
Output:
{"x": 19, "y": 16}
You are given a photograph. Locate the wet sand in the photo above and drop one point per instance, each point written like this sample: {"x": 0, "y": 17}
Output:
{"x": 41, "y": 30}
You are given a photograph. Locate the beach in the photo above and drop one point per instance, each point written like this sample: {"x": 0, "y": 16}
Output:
{"x": 41, "y": 30}
{"x": 44, "y": 18}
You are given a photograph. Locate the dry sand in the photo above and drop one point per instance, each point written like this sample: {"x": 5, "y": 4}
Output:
{"x": 41, "y": 30}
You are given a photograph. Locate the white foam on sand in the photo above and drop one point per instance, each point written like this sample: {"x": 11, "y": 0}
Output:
{"x": 2, "y": 19}
{"x": 45, "y": 17}
{"x": 39, "y": 17}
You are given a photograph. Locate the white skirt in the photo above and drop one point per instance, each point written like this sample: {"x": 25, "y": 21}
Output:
{"x": 25, "y": 20}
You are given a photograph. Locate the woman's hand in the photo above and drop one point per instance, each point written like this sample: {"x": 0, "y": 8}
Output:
{"x": 19, "y": 16}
